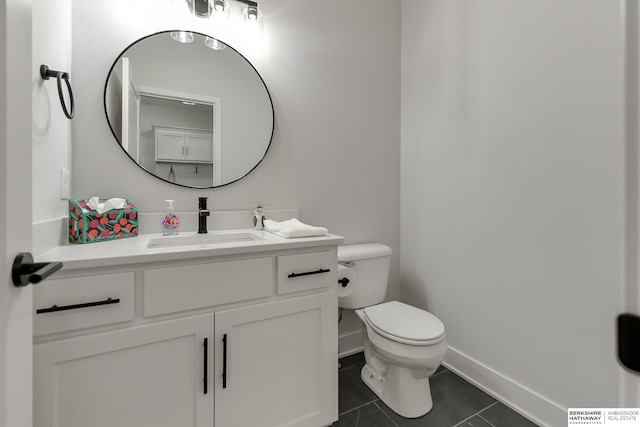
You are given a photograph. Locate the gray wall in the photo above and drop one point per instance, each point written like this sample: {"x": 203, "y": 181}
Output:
{"x": 513, "y": 192}
{"x": 334, "y": 76}
{"x": 51, "y": 129}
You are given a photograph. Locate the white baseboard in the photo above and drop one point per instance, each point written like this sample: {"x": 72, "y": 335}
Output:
{"x": 530, "y": 404}
{"x": 349, "y": 343}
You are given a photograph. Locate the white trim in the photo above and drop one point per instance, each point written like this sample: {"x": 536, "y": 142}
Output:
{"x": 349, "y": 343}
{"x": 630, "y": 294}
{"x": 532, "y": 405}
{"x": 180, "y": 128}
{"x": 18, "y": 77}
{"x": 158, "y": 92}
{"x": 124, "y": 104}
{"x": 217, "y": 142}
{"x": 137, "y": 141}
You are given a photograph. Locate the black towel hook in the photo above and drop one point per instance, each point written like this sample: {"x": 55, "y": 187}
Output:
{"x": 46, "y": 73}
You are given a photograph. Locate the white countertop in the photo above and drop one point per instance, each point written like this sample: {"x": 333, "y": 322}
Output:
{"x": 134, "y": 250}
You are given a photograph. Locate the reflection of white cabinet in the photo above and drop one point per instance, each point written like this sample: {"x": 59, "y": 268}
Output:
{"x": 183, "y": 145}
{"x": 152, "y": 375}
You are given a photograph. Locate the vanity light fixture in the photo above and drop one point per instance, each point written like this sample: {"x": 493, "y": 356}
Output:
{"x": 204, "y": 8}
{"x": 251, "y": 12}
{"x": 219, "y": 5}
{"x": 214, "y": 44}
{"x": 200, "y": 8}
{"x": 182, "y": 36}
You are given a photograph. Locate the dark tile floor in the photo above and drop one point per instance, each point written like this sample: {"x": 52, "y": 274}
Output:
{"x": 455, "y": 403}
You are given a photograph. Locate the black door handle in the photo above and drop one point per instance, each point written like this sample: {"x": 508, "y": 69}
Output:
{"x": 25, "y": 271}
{"x": 629, "y": 341}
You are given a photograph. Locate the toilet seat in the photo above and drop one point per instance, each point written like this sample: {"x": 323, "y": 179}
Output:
{"x": 404, "y": 323}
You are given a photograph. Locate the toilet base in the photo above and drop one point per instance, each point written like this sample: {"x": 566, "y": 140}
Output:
{"x": 399, "y": 389}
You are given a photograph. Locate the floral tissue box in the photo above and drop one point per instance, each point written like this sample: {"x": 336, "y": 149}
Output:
{"x": 87, "y": 225}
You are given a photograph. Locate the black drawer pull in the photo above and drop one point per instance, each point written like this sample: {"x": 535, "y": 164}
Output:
{"x": 308, "y": 273}
{"x": 224, "y": 361}
{"x": 55, "y": 308}
{"x": 206, "y": 365}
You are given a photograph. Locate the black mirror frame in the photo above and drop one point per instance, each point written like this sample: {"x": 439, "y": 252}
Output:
{"x": 104, "y": 102}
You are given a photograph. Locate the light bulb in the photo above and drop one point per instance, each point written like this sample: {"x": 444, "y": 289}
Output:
{"x": 182, "y": 36}
{"x": 252, "y": 13}
{"x": 219, "y": 5}
{"x": 214, "y": 44}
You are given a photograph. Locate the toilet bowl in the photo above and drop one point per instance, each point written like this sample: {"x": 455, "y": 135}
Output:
{"x": 403, "y": 345}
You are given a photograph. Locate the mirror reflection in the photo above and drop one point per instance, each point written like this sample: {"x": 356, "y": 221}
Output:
{"x": 189, "y": 109}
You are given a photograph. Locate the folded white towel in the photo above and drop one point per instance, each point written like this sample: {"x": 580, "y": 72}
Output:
{"x": 293, "y": 228}
{"x": 114, "y": 203}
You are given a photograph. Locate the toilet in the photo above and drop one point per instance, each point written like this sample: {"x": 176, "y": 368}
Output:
{"x": 403, "y": 345}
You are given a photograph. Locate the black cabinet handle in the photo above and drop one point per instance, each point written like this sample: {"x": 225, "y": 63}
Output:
{"x": 308, "y": 273}
{"x": 55, "y": 308}
{"x": 206, "y": 364}
{"x": 25, "y": 271}
{"x": 224, "y": 361}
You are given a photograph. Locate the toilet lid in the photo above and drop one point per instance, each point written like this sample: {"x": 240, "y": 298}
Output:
{"x": 404, "y": 323}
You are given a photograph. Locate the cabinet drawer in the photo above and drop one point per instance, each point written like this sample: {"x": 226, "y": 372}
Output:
{"x": 174, "y": 289}
{"x": 82, "y": 302}
{"x": 303, "y": 272}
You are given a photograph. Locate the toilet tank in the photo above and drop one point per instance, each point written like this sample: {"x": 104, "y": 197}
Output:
{"x": 370, "y": 262}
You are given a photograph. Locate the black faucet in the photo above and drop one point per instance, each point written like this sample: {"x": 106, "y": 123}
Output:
{"x": 203, "y": 213}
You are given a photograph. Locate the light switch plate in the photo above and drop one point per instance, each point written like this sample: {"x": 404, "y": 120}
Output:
{"x": 64, "y": 184}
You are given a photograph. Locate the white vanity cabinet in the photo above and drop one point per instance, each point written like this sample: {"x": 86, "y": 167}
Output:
{"x": 183, "y": 145}
{"x": 277, "y": 359}
{"x": 242, "y": 340}
{"x": 151, "y": 375}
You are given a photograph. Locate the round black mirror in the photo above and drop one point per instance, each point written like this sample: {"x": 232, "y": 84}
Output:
{"x": 189, "y": 109}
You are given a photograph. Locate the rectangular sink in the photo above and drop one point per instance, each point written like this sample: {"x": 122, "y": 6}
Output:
{"x": 202, "y": 239}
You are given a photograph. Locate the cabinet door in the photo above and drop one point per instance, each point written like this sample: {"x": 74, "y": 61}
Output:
{"x": 170, "y": 145}
{"x": 151, "y": 375}
{"x": 280, "y": 363}
{"x": 199, "y": 147}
